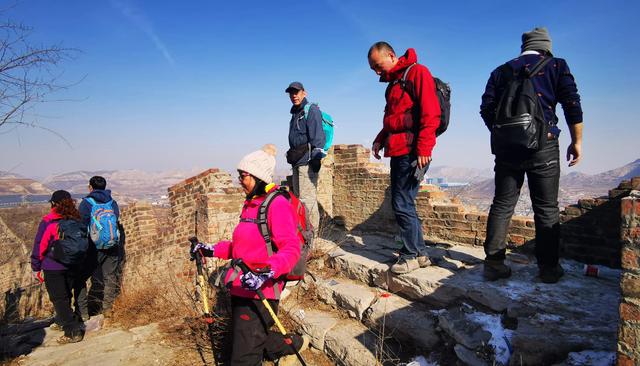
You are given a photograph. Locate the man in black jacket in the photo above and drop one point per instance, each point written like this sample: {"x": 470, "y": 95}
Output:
{"x": 306, "y": 140}
{"x": 552, "y": 84}
{"x": 105, "y": 263}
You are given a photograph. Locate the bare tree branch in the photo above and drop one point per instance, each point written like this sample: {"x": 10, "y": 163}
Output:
{"x": 29, "y": 74}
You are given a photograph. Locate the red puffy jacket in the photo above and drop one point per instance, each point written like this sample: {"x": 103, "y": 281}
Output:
{"x": 401, "y": 120}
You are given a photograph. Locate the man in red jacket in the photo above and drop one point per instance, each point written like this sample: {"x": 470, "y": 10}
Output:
{"x": 408, "y": 135}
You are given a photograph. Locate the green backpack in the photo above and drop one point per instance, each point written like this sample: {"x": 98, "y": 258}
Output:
{"x": 327, "y": 126}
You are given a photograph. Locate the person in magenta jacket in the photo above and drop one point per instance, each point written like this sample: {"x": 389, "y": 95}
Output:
{"x": 59, "y": 280}
{"x": 251, "y": 322}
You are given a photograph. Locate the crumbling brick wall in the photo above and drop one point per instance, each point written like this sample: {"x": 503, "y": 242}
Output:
{"x": 20, "y": 295}
{"x": 362, "y": 202}
{"x": 207, "y": 204}
{"x": 591, "y": 228}
{"x": 629, "y": 328}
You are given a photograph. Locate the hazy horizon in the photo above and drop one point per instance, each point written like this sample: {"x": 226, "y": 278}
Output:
{"x": 173, "y": 86}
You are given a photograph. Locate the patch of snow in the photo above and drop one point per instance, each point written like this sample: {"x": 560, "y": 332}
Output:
{"x": 547, "y": 318}
{"x": 500, "y": 337}
{"x": 421, "y": 361}
{"x": 591, "y": 358}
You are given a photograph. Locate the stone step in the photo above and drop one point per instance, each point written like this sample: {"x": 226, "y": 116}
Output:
{"x": 389, "y": 314}
{"x": 578, "y": 313}
{"x": 346, "y": 341}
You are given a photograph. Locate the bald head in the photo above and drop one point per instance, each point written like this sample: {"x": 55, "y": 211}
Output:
{"x": 382, "y": 58}
{"x": 381, "y": 46}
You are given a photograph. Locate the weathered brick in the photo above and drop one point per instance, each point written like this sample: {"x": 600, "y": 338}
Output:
{"x": 630, "y": 285}
{"x": 629, "y": 312}
{"x": 573, "y": 210}
{"x": 630, "y": 258}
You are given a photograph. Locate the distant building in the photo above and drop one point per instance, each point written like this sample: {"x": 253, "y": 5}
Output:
{"x": 443, "y": 183}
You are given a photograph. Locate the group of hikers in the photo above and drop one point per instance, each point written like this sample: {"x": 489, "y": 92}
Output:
{"x": 75, "y": 244}
{"x": 274, "y": 235}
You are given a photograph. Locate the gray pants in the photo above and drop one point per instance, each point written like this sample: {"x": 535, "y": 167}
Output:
{"x": 105, "y": 281}
{"x": 305, "y": 186}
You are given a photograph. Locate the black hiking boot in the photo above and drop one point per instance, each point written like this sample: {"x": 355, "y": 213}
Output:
{"x": 495, "y": 270}
{"x": 551, "y": 274}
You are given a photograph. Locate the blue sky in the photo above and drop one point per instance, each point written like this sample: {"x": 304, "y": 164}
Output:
{"x": 198, "y": 84}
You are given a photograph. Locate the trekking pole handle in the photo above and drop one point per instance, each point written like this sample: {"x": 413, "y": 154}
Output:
{"x": 196, "y": 255}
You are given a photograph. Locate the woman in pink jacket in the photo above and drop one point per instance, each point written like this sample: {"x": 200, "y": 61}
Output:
{"x": 251, "y": 322}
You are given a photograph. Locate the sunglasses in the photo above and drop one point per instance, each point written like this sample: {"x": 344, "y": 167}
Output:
{"x": 242, "y": 175}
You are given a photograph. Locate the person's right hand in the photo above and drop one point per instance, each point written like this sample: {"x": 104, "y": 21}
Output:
{"x": 375, "y": 149}
{"x": 204, "y": 246}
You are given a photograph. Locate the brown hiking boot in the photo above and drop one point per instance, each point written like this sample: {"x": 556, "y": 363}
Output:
{"x": 495, "y": 270}
{"x": 405, "y": 266}
{"x": 423, "y": 261}
{"x": 73, "y": 339}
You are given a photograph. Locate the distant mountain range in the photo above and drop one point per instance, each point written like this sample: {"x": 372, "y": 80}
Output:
{"x": 138, "y": 184}
{"x": 572, "y": 187}
{"x": 126, "y": 184}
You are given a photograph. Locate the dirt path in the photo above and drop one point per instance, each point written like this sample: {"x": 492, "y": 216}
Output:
{"x": 134, "y": 347}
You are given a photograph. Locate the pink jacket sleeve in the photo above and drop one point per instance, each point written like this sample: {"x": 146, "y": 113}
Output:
{"x": 284, "y": 232}
{"x": 222, "y": 249}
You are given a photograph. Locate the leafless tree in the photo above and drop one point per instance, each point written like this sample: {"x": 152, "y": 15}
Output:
{"x": 29, "y": 74}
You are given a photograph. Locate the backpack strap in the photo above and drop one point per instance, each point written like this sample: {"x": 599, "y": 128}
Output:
{"x": 92, "y": 201}
{"x": 402, "y": 81}
{"x": 307, "y": 107}
{"x": 537, "y": 67}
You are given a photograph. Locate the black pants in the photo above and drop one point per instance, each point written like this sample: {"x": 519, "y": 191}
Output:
{"x": 252, "y": 338}
{"x": 105, "y": 280}
{"x": 59, "y": 286}
{"x": 543, "y": 173}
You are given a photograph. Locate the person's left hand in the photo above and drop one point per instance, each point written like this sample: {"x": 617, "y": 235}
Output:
{"x": 574, "y": 153}
{"x": 253, "y": 282}
{"x": 315, "y": 165}
{"x": 423, "y": 161}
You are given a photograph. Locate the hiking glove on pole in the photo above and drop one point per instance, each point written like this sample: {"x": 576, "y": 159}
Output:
{"x": 253, "y": 282}
{"x": 203, "y": 246}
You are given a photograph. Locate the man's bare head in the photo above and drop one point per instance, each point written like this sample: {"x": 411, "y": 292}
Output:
{"x": 382, "y": 57}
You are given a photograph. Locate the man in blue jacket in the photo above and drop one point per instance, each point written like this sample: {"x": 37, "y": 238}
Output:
{"x": 553, "y": 84}
{"x": 306, "y": 140}
{"x": 106, "y": 263}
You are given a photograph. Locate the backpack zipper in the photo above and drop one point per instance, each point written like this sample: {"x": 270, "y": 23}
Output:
{"x": 511, "y": 124}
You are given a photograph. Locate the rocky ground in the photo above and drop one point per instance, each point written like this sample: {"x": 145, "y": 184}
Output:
{"x": 357, "y": 313}
{"x": 101, "y": 346}
{"x": 449, "y": 314}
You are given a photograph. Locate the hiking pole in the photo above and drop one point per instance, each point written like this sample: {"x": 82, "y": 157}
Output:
{"x": 245, "y": 269}
{"x": 197, "y": 257}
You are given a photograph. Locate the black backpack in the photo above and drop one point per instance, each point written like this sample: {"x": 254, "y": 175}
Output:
{"x": 519, "y": 126}
{"x": 71, "y": 247}
{"x": 443, "y": 92}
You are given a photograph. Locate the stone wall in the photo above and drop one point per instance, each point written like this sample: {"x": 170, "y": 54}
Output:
{"x": 362, "y": 202}
{"x": 629, "y": 328}
{"x": 21, "y": 295}
{"x": 591, "y": 228}
{"x": 207, "y": 205}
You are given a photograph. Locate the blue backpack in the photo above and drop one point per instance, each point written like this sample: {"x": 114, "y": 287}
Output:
{"x": 327, "y": 127}
{"x": 103, "y": 227}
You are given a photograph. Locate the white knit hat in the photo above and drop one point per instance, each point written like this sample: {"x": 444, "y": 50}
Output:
{"x": 260, "y": 163}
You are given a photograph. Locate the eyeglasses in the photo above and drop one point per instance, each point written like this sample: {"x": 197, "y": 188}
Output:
{"x": 242, "y": 175}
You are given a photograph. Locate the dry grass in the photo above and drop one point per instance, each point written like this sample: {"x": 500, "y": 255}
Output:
{"x": 172, "y": 303}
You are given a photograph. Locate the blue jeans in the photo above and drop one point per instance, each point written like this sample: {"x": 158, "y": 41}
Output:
{"x": 404, "y": 189}
{"x": 543, "y": 173}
